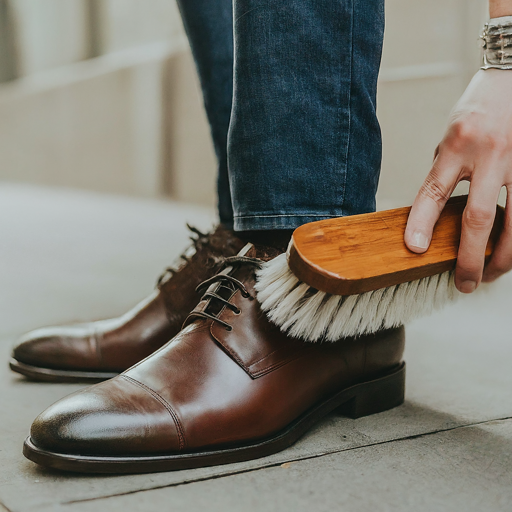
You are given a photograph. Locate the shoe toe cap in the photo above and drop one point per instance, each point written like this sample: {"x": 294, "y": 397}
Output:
{"x": 114, "y": 418}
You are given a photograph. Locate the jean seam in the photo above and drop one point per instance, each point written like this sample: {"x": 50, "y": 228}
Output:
{"x": 349, "y": 105}
{"x": 287, "y": 215}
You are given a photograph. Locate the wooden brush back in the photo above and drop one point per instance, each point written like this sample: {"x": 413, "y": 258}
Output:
{"x": 357, "y": 254}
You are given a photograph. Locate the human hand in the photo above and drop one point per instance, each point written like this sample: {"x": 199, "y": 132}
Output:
{"x": 477, "y": 147}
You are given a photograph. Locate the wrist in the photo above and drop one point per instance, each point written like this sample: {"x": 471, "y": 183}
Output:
{"x": 500, "y": 8}
{"x": 500, "y": 12}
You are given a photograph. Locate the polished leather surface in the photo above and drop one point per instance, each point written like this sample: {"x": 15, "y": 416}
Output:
{"x": 213, "y": 385}
{"x": 116, "y": 344}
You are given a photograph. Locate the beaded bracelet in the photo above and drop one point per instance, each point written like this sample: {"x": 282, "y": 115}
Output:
{"x": 497, "y": 43}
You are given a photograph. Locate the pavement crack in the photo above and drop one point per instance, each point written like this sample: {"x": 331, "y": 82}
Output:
{"x": 277, "y": 464}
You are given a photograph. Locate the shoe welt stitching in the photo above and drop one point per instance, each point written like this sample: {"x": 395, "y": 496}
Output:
{"x": 165, "y": 403}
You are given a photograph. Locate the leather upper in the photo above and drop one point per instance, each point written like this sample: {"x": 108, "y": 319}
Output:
{"x": 116, "y": 344}
{"x": 219, "y": 382}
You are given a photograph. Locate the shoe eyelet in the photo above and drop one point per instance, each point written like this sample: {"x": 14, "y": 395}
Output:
{"x": 237, "y": 311}
{"x": 229, "y": 328}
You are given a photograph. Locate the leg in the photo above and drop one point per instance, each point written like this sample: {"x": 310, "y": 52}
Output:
{"x": 209, "y": 26}
{"x": 304, "y": 141}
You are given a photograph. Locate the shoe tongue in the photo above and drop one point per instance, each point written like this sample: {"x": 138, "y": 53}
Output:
{"x": 260, "y": 252}
{"x": 248, "y": 250}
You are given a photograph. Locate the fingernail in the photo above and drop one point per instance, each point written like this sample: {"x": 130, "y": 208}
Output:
{"x": 419, "y": 240}
{"x": 467, "y": 286}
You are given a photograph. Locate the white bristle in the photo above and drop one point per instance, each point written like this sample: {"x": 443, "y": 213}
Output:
{"x": 324, "y": 317}
{"x": 287, "y": 307}
{"x": 309, "y": 314}
{"x": 374, "y": 312}
{"x": 381, "y": 309}
{"x": 342, "y": 319}
{"x": 277, "y": 281}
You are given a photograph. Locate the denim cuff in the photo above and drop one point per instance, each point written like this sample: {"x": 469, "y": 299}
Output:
{"x": 285, "y": 221}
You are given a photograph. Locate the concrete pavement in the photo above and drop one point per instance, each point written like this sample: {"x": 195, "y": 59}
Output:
{"x": 68, "y": 255}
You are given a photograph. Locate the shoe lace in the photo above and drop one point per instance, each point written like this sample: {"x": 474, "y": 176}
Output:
{"x": 227, "y": 284}
{"x": 200, "y": 240}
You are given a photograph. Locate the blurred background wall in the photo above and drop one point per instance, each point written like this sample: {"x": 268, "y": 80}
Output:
{"x": 102, "y": 95}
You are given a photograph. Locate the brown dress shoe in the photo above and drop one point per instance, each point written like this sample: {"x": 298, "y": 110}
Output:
{"x": 229, "y": 387}
{"x": 101, "y": 350}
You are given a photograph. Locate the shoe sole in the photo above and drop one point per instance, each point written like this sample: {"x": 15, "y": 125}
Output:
{"x": 48, "y": 375}
{"x": 360, "y": 400}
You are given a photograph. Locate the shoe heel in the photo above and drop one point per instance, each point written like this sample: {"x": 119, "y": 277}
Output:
{"x": 376, "y": 396}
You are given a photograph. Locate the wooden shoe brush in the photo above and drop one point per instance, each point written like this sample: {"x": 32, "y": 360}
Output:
{"x": 354, "y": 275}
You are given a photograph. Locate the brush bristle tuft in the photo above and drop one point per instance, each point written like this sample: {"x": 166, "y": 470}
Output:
{"x": 311, "y": 315}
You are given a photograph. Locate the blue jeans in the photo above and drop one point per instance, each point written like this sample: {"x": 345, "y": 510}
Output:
{"x": 290, "y": 93}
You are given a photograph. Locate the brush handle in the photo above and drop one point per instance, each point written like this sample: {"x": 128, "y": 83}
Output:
{"x": 361, "y": 253}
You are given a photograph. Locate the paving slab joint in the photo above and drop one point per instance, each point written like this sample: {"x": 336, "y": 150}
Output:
{"x": 298, "y": 459}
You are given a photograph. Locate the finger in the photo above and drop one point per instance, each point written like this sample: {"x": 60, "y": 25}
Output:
{"x": 430, "y": 201}
{"x": 477, "y": 221}
{"x": 501, "y": 259}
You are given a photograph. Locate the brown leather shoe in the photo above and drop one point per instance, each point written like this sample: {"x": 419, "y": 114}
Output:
{"x": 101, "y": 350}
{"x": 229, "y": 387}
